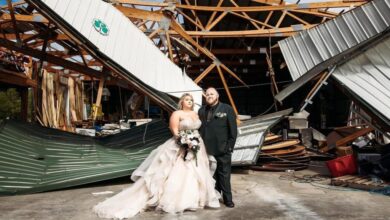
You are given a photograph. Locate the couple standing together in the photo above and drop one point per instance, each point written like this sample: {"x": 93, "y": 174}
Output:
{"x": 167, "y": 180}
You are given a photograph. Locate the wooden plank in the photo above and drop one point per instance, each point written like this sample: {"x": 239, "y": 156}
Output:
{"x": 50, "y": 101}
{"x": 348, "y": 139}
{"x": 195, "y": 15}
{"x": 253, "y": 21}
{"x": 72, "y": 99}
{"x": 215, "y": 22}
{"x": 44, "y": 116}
{"x": 227, "y": 89}
{"x": 50, "y": 58}
{"x": 316, "y": 5}
{"x": 99, "y": 97}
{"x": 11, "y": 9}
{"x": 357, "y": 182}
{"x": 279, "y": 145}
{"x": 276, "y": 32}
{"x": 292, "y": 150}
{"x": 15, "y": 78}
{"x": 198, "y": 24}
{"x": 140, "y": 14}
{"x": 281, "y": 19}
{"x": 213, "y": 14}
{"x": 169, "y": 45}
{"x": 204, "y": 74}
{"x": 272, "y": 139}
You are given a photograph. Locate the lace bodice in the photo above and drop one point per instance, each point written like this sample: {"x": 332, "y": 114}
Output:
{"x": 189, "y": 124}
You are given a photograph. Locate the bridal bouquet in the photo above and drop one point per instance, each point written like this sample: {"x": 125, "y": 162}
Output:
{"x": 189, "y": 140}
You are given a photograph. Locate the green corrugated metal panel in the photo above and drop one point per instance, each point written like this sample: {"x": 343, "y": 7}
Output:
{"x": 36, "y": 159}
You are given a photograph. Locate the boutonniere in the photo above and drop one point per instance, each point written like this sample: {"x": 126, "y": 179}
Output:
{"x": 220, "y": 114}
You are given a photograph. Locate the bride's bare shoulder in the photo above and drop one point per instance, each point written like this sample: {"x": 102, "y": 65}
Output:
{"x": 177, "y": 114}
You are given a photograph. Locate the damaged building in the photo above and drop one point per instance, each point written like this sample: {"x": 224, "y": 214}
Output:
{"x": 96, "y": 81}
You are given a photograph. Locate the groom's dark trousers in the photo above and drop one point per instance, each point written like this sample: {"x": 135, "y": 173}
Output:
{"x": 219, "y": 133}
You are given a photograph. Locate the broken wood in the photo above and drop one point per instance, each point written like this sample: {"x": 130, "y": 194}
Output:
{"x": 279, "y": 145}
{"x": 347, "y": 139}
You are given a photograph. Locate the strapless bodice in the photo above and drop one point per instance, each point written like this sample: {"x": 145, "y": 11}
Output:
{"x": 189, "y": 124}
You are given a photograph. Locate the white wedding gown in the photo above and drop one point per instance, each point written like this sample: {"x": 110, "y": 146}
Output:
{"x": 167, "y": 182}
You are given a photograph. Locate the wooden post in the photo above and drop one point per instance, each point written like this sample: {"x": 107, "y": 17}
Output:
{"x": 227, "y": 90}
{"x": 23, "y": 91}
{"x": 98, "y": 98}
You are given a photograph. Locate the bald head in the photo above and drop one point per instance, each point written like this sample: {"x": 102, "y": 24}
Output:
{"x": 212, "y": 96}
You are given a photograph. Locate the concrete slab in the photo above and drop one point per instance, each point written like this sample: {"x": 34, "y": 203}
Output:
{"x": 258, "y": 195}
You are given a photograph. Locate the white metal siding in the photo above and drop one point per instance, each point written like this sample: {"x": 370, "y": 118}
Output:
{"x": 126, "y": 45}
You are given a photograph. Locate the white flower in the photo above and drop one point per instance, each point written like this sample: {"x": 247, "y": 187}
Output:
{"x": 194, "y": 142}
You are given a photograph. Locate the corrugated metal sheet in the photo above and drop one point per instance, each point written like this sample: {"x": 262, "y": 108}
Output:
{"x": 37, "y": 159}
{"x": 123, "y": 44}
{"x": 367, "y": 76}
{"x": 312, "y": 51}
{"x": 251, "y": 135}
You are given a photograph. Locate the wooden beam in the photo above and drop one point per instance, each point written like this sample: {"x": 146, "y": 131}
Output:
{"x": 317, "y": 5}
{"x": 140, "y": 14}
{"x": 198, "y": 24}
{"x": 98, "y": 97}
{"x": 205, "y": 51}
{"x": 11, "y": 9}
{"x": 246, "y": 15}
{"x": 26, "y": 37}
{"x": 297, "y": 18}
{"x": 281, "y": 19}
{"x": 204, "y": 74}
{"x": 240, "y": 51}
{"x": 267, "y": 19}
{"x": 213, "y": 14}
{"x": 25, "y": 18}
{"x": 233, "y": 74}
{"x": 169, "y": 45}
{"x": 227, "y": 90}
{"x": 348, "y": 139}
{"x": 143, "y": 3}
{"x": 50, "y": 58}
{"x": 195, "y": 15}
{"x": 279, "y": 32}
{"x": 215, "y": 22}
{"x": 18, "y": 79}
{"x": 153, "y": 34}
{"x": 273, "y": 7}
{"x": 252, "y": 20}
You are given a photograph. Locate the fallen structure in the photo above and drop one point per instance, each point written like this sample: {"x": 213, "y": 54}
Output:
{"x": 251, "y": 136}
{"x": 36, "y": 159}
{"x": 351, "y": 49}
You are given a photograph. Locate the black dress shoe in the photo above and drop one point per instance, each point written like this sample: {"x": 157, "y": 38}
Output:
{"x": 229, "y": 204}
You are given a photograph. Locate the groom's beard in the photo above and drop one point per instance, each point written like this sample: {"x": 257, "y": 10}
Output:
{"x": 213, "y": 103}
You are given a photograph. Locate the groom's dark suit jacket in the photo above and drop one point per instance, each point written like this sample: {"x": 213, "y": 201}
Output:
{"x": 220, "y": 133}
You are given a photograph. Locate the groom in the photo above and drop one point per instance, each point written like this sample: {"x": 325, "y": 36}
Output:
{"x": 219, "y": 133}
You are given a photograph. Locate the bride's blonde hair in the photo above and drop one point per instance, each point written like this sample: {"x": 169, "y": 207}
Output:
{"x": 180, "y": 104}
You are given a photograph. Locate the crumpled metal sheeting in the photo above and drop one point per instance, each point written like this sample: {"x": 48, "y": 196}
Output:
{"x": 251, "y": 135}
{"x": 37, "y": 159}
{"x": 310, "y": 52}
{"x": 367, "y": 76}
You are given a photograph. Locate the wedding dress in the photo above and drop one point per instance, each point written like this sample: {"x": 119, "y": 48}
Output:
{"x": 166, "y": 181}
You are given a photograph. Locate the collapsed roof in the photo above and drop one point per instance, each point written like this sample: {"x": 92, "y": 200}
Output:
{"x": 343, "y": 39}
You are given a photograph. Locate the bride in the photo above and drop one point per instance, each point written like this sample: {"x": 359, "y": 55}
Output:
{"x": 171, "y": 178}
